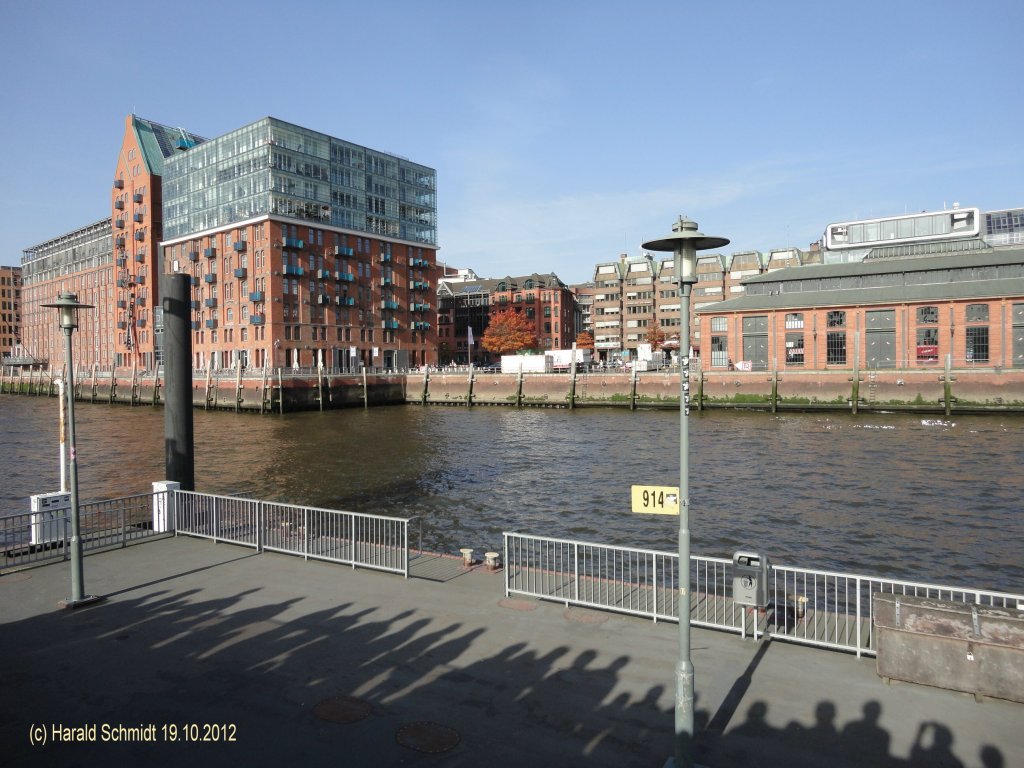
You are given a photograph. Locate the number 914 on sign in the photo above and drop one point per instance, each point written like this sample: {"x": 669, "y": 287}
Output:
{"x": 655, "y": 499}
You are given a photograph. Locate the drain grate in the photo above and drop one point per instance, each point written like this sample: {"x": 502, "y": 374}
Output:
{"x": 343, "y": 710}
{"x": 428, "y": 737}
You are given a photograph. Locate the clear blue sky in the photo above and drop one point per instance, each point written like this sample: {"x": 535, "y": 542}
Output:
{"x": 563, "y": 133}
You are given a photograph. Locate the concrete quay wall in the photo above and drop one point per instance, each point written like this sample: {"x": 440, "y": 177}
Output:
{"x": 926, "y": 390}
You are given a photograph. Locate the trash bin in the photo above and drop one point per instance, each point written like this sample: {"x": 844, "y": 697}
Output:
{"x": 750, "y": 579}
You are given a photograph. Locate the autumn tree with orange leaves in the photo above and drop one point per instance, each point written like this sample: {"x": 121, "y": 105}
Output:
{"x": 655, "y": 337}
{"x": 584, "y": 340}
{"x": 509, "y": 332}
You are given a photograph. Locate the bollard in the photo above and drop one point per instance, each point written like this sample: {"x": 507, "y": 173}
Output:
{"x": 467, "y": 556}
{"x": 492, "y": 561}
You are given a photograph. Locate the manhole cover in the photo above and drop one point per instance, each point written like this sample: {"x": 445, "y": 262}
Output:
{"x": 343, "y": 710}
{"x": 428, "y": 737}
{"x": 14, "y": 578}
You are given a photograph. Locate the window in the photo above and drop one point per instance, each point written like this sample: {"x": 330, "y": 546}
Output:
{"x": 977, "y": 313}
{"x": 837, "y": 319}
{"x": 794, "y": 321}
{"x": 977, "y": 344}
{"x": 927, "y": 315}
{"x": 927, "y": 344}
{"x": 794, "y": 350}
{"x": 835, "y": 345}
{"x": 720, "y": 324}
{"x": 719, "y": 350}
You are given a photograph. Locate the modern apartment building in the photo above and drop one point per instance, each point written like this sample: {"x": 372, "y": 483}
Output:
{"x": 10, "y": 310}
{"x": 303, "y": 250}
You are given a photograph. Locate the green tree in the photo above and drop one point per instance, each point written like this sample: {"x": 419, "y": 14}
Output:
{"x": 509, "y": 332}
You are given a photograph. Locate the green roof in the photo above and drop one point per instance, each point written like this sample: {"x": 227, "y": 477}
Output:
{"x": 160, "y": 141}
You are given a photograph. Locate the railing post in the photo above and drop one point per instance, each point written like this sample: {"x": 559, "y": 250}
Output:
{"x": 67, "y": 540}
{"x": 508, "y": 564}
{"x": 576, "y": 571}
{"x": 858, "y": 615}
{"x": 216, "y": 521}
{"x": 124, "y": 528}
{"x": 260, "y": 516}
{"x": 305, "y": 533}
{"x": 655, "y": 587}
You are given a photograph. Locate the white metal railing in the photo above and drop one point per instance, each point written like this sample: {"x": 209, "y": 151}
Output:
{"x": 351, "y": 538}
{"x": 812, "y": 607}
{"x": 35, "y": 538}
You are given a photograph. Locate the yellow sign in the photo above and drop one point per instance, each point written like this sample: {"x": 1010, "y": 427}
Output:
{"x": 656, "y": 499}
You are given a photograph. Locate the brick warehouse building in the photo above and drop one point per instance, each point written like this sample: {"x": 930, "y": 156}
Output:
{"x": 302, "y": 248}
{"x": 907, "y": 305}
{"x": 10, "y": 310}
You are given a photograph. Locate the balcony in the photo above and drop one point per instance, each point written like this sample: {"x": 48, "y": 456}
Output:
{"x": 118, "y": 183}
{"x": 344, "y": 277}
{"x": 210, "y": 278}
{"x": 420, "y": 307}
{"x": 256, "y": 296}
{"x": 194, "y": 304}
{"x": 346, "y": 301}
{"x": 386, "y": 281}
{"x": 289, "y": 269}
{"x": 119, "y": 223}
{"x": 121, "y": 261}
{"x": 141, "y": 322}
{"x": 241, "y": 272}
{"x": 121, "y": 325}
{"x": 140, "y": 235}
{"x": 323, "y": 274}
{"x": 420, "y": 285}
{"x": 257, "y": 320}
{"x": 140, "y": 280}
{"x": 388, "y": 304}
{"x": 119, "y": 241}
{"x": 210, "y": 252}
{"x": 292, "y": 242}
{"x": 421, "y": 326}
{"x": 137, "y": 218}
{"x": 122, "y": 304}
{"x": 194, "y": 280}
{"x": 392, "y": 324}
{"x": 322, "y": 299}
{"x": 211, "y": 324}
{"x": 239, "y": 246}
{"x": 385, "y": 257}
{"x": 212, "y": 302}
{"x": 341, "y": 250}
{"x": 137, "y": 197}
{"x": 195, "y": 325}
{"x": 140, "y": 257}
{"x": 193, "y": 255}
{"x": 119, "y": 204}
{"x": 122, "y": 282}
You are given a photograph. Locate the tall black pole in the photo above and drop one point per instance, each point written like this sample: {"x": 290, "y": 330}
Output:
{"x": 179, "y": 436}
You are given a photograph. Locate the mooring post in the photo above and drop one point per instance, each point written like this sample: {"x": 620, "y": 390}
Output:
{"x": 179, "y": 436}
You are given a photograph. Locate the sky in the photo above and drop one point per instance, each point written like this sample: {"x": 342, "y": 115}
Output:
{"x": 563, "y": 133}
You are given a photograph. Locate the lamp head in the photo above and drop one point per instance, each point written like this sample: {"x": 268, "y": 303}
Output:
{"x": 67, "y": 304}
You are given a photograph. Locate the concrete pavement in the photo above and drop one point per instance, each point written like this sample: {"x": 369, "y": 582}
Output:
{"x": 284, "y": 661}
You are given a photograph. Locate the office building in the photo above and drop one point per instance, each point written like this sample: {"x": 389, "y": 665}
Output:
{"x": 10, "y": 310}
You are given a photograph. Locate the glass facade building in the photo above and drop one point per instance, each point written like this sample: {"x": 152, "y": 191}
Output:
{"x": 275, "y": 168}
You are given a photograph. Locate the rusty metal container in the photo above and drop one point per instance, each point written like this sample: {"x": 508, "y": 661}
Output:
{"x": 957, "y": 646}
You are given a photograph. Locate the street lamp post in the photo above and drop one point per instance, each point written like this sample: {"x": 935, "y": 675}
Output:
{"x": 68, "y": 306}
{"x": 684, "y": 242}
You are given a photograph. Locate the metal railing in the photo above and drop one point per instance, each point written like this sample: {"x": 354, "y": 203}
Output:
{"x": 350, "y": 538}
{"x": 36, "y": 538}
{"x": 811, "y": 607}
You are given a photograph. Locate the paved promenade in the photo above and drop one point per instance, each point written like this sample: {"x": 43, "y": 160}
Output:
{"x": 307, "y": 663}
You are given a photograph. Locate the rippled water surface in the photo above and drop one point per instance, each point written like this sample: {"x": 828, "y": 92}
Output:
{"x": 922, "y": 498}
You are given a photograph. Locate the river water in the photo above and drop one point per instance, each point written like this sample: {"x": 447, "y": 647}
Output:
{"x": 899, "y": 495}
